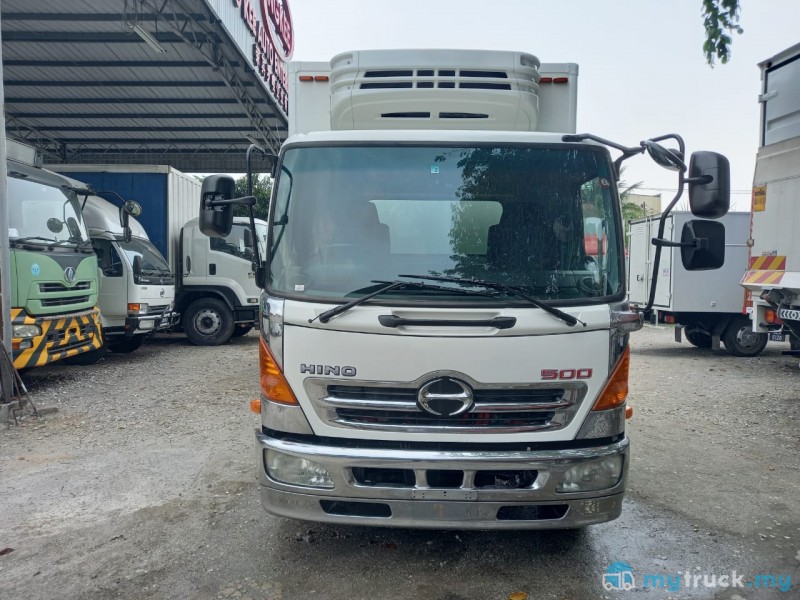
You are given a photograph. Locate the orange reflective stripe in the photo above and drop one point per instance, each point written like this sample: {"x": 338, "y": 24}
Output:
{"x": 763, "y": 277}
{"x": 768, "y": 263}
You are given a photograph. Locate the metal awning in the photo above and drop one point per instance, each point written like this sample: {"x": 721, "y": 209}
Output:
{"x": 132, "y": 82}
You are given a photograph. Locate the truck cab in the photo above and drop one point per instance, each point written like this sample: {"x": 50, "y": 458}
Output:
{"x": 53, "y": 266}
{"x": 440, "y": 347}
{"x": 137, "y": 288}
{"x": 218, "y": 293}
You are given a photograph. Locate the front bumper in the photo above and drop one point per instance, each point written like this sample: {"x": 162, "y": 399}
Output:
{"x": 154, "y": 322}
{"x": 421, "y": 505}
{"x": 62, "y": 336}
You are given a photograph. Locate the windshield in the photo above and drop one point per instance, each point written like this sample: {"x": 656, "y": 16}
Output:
{"x": 152, "y": 261}
{"x": 543, "y": 218}
{"x": 44, "y": 213}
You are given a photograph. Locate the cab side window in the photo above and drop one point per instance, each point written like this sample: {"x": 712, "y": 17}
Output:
{"x": 108, "y": 259}
{"x": 239, "y": 243}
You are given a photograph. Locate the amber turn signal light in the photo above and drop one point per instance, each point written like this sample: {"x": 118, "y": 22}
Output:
{"x": 273, "y": 384}
{"x": 616, "y": 389}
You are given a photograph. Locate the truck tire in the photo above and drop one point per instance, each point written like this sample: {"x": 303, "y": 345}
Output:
{"x": 208, "y": 322}
{"x": 241, "y": 330}
{"x": 740, "y": 339}
{"x": 697, "y": 338}
{"x": 794, "y": 342}
{"x": 126, "y": 345}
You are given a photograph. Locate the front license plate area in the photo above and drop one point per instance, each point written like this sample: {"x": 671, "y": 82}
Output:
{"x": 444, "y": 495}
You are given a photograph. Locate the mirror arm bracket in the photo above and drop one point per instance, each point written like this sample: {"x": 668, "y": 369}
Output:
{"x": 209, "y": 203}
{"x": 697, "y": 243}
{"x": 701, "y": 180}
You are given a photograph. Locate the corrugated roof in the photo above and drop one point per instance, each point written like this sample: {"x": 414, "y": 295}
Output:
{"x": 84, "y": 89}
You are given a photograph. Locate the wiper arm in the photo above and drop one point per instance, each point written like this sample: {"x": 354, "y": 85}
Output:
{"x": 509, "y": 289}
{"x": 35, "y": 238}
{"x": 326, "y": 316}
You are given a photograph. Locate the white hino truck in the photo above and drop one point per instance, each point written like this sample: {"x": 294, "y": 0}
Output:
{"x": 773, "y": 270}
{"x": 438, "y": 348}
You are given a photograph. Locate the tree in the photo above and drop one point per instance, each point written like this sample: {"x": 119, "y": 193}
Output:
{"x": 630, "y": 210}
{"x": 721, "y": 19}
{"x": 262, "y": 189}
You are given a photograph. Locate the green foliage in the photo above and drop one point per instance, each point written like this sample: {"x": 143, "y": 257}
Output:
{"x": 630, "y": 210}
{"x": 720, "y": 18}
{"x": 262, "y": 189}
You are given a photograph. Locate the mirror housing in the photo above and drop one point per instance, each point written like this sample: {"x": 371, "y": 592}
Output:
{"x": 702, "y": 245}
{"x": 216, "y": 221}
{"x": 137, "y": 267}
{"x": 55, "y": 225}
{"x": 128, "y": 209}
{"x": 665, "y": 157}
{"x": 709, "y": 185}
{"x": 261, "y": 277}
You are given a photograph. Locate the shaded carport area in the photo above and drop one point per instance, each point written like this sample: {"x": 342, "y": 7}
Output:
{"x": 135, "y": 82}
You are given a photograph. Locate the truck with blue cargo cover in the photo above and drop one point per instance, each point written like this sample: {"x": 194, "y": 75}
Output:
{"x": 215, "y": 291}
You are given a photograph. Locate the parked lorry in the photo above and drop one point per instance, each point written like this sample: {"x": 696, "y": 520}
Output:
{"x": 137, "y": 287}
{"x": 773, "y": 269}
{"x": 706, "y": 306}
{"x": 215, "y": 291}
{"x": 53, "y": 268}
{"x": 437, "y": 347}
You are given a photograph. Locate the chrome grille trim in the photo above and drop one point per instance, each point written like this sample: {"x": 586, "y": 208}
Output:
{"x": 392, "y": 406}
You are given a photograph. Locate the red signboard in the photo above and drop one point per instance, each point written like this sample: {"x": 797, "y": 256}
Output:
{"x": 270, "y": 23}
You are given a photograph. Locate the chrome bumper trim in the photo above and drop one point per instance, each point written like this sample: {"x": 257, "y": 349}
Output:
{"x": 419, "y": 505}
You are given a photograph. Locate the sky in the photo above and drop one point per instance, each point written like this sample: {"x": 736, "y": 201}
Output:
{"x": 642, "y": 68}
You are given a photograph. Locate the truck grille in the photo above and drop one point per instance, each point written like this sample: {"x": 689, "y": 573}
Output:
{"x": 65, "y": 301}
{"x": 390, "y": 407}
{"x": 156, "y": 309}
{"x": 55, "y": 287}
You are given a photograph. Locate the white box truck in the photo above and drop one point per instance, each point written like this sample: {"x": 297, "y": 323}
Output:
{"x": 215, "y": 291}
{"x": 437, "y": 347}
{"x": 706, "y": 306}
{"x": 137, "y": 287}
{"x": 773, "y": 268}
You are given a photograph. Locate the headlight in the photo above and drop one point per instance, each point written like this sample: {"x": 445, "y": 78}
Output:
{"x": 592, "y": 475}
{"x": 26, "y": 331}
{"x": 137, "y": 309}
{"x": 297, "y": 471}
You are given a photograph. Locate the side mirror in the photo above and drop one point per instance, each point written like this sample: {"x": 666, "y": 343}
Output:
{"x": 55, "y": 225}
{"x": 665, "y": 157}
{"x": 128, "y": 209}
{"x": 702, "y": 245}
{"x": 74, "y": 229}
{"x": 709, "y": 185}
{"x": 216, "y": 221}
{"x": 137, "y": 267}
{"x": 261, "y": 277}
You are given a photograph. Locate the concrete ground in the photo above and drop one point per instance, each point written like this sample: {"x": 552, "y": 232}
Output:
{"x": 141, "y": 486}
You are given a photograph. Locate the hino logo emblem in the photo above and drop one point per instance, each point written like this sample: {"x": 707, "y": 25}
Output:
{"x": 69, "y": 273}
{"x": 445, "y": 397}
{"x": 162, "y": 292}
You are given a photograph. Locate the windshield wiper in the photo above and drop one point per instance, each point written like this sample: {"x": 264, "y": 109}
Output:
{"x": 50, "y": 242}
{"x": 326, "y": 316}
{"x": 508, "y": 289}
